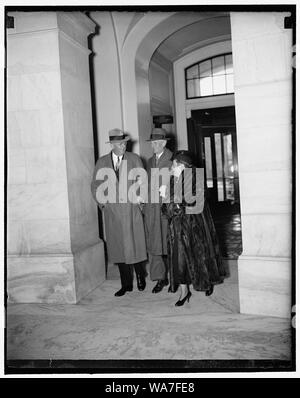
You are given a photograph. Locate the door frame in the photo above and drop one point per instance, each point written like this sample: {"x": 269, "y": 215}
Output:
{"x": 197, "y": 144}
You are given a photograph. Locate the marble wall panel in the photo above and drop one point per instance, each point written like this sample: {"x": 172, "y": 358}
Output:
{"x": 257, "y": 24}
{"x": 33, "y": 21}
{"x": 30, "y": 127}
{"x": 274, "y": 151}
{"x": 80, "y": 163}
{"x": 265, "y": 285}
{"x": 74, "y": 61}
{"x": 83, "y": 215}
{"x": 268, "y": 48}
{"x": 257, "y": 52}
{"x": 51, "y": 127}
{"x": 266, "y": 192}
{"x": 45, "y": 165}
{"x": 78, "y": 131}
{"x": 37, "y": 201}
{"x": 33, "y": 91}
{"x": 45, "y": 59}
{"x": 89, "y": 269}
{"x": 16, "y": 239}
{"x": 14, "y": 98}
{"x": 51, "y": 148}
{"x": 40, "y": 90}
{"x": 13, "y": 130}
{"x": 78, "y": 125}
{"x": 267, "y": 234}
{"x": 35, "y": 128}
{"x": 41, "y": 279}
{"x": 262, "y": 59}
{"x": 82, "y": 205}
{"x": 16, "y": 166}
{"x": 269, "y": 106}
{"x": 38, "y": 236}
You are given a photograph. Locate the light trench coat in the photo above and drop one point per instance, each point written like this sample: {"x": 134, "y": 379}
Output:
{"x": 124, "y": 226}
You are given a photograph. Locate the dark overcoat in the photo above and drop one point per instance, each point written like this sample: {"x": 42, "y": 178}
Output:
{"x": 124, "y": 227}
{"x": 156, "y": 224}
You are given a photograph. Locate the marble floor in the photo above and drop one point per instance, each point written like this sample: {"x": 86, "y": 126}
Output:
{"x": 143, "y": 325}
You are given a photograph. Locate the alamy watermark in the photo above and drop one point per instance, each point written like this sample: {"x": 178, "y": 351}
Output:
{"x": 134, "y": 186}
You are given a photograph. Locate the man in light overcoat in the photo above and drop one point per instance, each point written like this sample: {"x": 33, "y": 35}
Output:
{"x": 124, "y": 227}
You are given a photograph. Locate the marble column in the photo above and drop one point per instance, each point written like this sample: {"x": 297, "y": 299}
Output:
{"x": 262, "y": 59}
{"x": 54, "y": 251}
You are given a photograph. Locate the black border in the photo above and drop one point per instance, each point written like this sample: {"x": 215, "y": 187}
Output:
{"x": 12, "y": 367}
{"x": 146, "y": 366}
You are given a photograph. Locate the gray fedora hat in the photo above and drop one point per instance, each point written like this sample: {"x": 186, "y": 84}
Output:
{"x": 117, "y": 135}
{"x": 158, "y": 134}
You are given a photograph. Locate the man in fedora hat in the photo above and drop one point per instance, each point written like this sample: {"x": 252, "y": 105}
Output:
{"x": 156, "y": 225}
{"x": 124, "y": 227}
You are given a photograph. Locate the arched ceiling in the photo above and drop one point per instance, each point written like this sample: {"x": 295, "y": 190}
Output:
{"x": 178, "y": 34}
{"x": 192, "y": 36}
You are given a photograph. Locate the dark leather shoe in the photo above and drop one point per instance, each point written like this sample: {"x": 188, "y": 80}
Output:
{"x": 209, "y": 291}
{"x": 170, "y": 290}
{"x": 122, "y": 291}
{"x": 141, "y": 282}
{"x": 160, "y": 285}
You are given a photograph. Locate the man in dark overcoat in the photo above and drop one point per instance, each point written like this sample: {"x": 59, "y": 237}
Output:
{"x": 156, "y": 225}
{"x": 123, "y": 219}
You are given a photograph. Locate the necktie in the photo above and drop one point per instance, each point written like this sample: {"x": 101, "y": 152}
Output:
{"x": 117, "y": 166}
{"x": 156, "y": 160}
{"x": 118, "y": 163}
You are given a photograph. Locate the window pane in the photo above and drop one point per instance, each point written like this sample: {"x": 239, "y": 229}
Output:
{"x": 192, "y": 72}
{"x": 206, "y": 86}
{"x": 228, "y": 62}
{"x": 190, "y": 88}
{"x": 219, "y": 165}
{"x": 208, "y": 163}
{"x": 229, "y": 83}
{"x": 228, "y": 167}
{"x": 193, "y": 88}
{"x": 205, "y": 68}
{"x": 228, "y": 160}
{"x": 218, "y": 66}
{"x": 211, "y": 77}
{"x": 219, "y": 84}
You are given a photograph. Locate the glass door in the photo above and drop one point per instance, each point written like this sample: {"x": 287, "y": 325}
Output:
{"x": 219, "y": 164}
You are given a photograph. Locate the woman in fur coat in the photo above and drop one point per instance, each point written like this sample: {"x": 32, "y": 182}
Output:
{"x": 193, "y": 250}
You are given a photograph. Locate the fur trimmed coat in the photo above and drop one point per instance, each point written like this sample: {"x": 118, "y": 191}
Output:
{"x": 193, "y": 250}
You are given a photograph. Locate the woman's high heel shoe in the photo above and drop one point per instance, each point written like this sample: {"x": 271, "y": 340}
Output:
{"x": 179, "y": 303}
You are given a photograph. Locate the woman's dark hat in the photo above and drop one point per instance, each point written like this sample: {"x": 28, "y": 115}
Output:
{"x": 184, "y": 157}
{"x": 117, "y": 135}
{"x": 158, "y": 134}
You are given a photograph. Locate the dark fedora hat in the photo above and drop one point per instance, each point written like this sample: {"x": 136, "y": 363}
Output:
{"x": 116, "y": 135}
{"x": 158, "y": 134}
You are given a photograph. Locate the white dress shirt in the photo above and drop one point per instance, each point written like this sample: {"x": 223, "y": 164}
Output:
{"x": 157, "y": 156}
{"x": 116, "y": 159}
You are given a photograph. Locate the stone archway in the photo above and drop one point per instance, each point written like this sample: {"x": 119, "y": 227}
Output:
{"x": 260, "y": 79}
